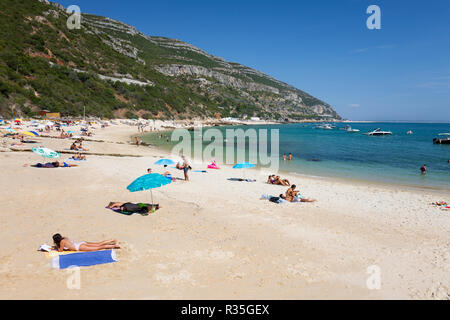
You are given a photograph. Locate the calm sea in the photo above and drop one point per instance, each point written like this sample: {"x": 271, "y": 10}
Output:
{"x": 394, "y": 159}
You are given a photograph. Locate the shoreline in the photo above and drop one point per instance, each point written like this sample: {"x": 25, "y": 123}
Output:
{"x": 418, "y": 188}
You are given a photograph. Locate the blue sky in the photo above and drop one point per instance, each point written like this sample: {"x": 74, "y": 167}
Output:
{"x": 401, "y": 72}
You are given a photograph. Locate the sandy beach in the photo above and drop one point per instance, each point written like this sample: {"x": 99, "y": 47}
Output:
{"x": 214, "y": 238}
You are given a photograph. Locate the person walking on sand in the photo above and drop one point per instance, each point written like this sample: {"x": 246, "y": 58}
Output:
{"x": 138, "y": 142}
{"x": 186, "y": 166}
{"x": 64, "y": 244}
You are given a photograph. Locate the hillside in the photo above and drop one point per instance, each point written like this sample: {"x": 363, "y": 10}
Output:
{"x": 116, "y": 71}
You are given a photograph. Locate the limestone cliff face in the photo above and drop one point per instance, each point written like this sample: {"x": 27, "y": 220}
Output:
{"x": 183, "y": 60}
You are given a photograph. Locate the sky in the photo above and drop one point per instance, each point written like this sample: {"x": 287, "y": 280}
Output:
{"x": 323, "y": 47}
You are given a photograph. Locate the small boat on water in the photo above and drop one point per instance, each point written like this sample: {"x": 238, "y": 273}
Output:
{"x": 378, "y": 132}
{"x": 325, "y": 126}
{"x": 444, "y": 140}
{"x": 349, "y": 129}
{"x": 409, "y": 132}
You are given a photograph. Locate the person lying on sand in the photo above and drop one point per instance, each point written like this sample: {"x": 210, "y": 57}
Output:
{"x": 64, "y": 244}
{"x": 79, "y": 156}
{"x": 292, "y": 195}
{"x": 55, "y": 164}
{"x": 276, "y": 180}
{"x": 133, "y": 207}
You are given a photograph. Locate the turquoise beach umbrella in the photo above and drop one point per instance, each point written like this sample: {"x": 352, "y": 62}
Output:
{"x": 244, "y": 165}
{"x": 46, "y": 153}
{"x": 149, "y": 182}
{"x": 164, "y": 162}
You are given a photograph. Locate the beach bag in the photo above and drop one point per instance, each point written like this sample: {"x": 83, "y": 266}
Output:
{"x": 275, "y": 199}
{"x": 135, "y": 208}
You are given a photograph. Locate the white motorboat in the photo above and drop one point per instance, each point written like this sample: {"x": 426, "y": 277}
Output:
{"x": 409, "y": 132}
{"x": 378, "y": 132}
{"x": 325, "y": 126}
{"x": 349, "y": 129}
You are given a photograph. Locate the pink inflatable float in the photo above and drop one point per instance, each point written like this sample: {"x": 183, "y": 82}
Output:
{"x": 213, "y": 166}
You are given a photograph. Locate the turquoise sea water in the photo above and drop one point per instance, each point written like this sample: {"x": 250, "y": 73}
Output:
{"x": 392, "y": 159}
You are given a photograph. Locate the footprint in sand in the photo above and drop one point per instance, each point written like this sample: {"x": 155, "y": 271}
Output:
{"x": 215, "y": 255}
{"x": 182, "y": 276}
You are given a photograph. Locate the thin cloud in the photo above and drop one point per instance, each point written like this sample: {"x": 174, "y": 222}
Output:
{"x": 354, "y": 105}
{"x": 385, "y": 46}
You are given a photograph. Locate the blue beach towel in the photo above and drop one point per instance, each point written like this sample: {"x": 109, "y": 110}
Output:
{"x": 83, "y": 259}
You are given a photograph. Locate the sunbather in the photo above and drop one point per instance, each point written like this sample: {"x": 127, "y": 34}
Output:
{"x": 79, "y": 156}
{"x": 276, "y": 180}
{"x": 55, "y": 164}
{"x": 64, "y": 244}
{"x": 292, "y": 195}
{"x": 142, "y": 208}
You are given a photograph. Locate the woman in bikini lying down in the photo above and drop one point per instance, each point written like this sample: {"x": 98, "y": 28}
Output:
{"x": 64, "y": 244}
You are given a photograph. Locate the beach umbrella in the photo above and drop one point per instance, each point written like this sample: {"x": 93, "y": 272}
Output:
{"x": 11, "y": 130}
{"x": 244, "y": 165}
{"x": 31, "y": 133}
{"x": 46, "y": 153}
{"x": 149, "y": 182}
{"x": 164, "y": 162}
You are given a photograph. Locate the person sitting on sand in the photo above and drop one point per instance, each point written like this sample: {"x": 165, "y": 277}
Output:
{"x": 276, "y": 180}
{"x": 271, "y": 179}
{"x": 79, "y": 156}
{"x": 64, "y": 244}
{"x": 282, "y": 182}
{"x": 292, "y": 195}
{"x": 74, "y": 146}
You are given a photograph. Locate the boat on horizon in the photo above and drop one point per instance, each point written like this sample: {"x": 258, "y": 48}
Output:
{"x": 378, "y": 132}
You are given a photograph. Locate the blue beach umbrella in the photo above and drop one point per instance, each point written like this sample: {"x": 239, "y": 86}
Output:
{"x": 243, "y": 165}
{"x": 149, "y": 182}
{"x": 164, "y": 162}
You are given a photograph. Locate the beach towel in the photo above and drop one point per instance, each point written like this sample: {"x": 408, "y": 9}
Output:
{"x": 83, "y": 259}
{"x": 278, "y": 200}
{"x": 200, "y": 171}
{"x": 241, "y": 180}
{"x": 54, "y": 253}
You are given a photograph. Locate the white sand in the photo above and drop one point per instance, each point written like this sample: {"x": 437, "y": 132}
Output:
{"x": 213, "y": 238}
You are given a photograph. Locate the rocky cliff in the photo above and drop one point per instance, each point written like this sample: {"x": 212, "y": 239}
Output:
{"x": 115, "y": 70}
